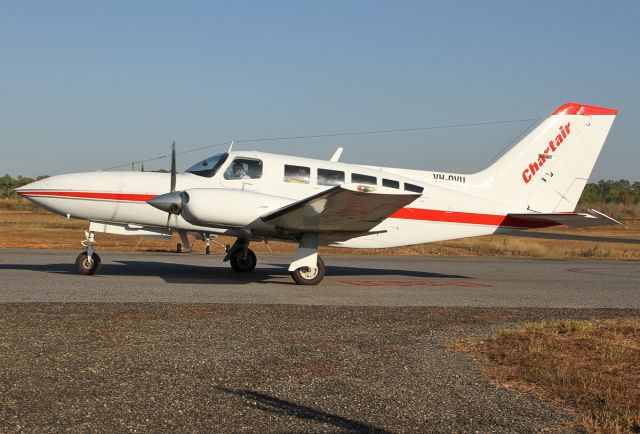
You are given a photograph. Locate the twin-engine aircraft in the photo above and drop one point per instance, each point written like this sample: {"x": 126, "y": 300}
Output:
{"x": 255, "y": 196}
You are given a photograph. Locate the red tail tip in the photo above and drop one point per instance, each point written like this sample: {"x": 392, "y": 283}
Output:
{"x": 573, "y": 108}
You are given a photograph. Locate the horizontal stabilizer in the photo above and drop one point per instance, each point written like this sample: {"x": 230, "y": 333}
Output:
{"x": 344, "y": 208}
{"x": 587, "y": 219}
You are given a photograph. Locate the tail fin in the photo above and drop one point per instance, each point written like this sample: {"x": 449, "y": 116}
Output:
{"x": 548, "y": 169}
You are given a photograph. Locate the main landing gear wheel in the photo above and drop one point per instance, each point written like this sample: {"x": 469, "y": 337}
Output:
{"x": 179, "y": 248}
{"x": 88, "y": 266}
{"x": 207, "y": 250}
{"x": 245, "y": 265}
{"x": 309, "y": 276}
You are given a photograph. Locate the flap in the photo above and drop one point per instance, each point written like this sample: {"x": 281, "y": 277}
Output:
{"x": 574, "y": 220}
{"x": 344, "y": 208}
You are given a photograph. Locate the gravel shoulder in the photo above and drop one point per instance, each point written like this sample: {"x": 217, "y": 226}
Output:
{"x": 258, "y": 368}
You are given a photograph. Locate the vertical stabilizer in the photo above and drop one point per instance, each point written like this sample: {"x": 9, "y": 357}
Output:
{"x": 547, "y": 170}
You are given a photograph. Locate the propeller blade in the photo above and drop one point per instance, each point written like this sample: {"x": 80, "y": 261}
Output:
{"x": 173, "y": 167}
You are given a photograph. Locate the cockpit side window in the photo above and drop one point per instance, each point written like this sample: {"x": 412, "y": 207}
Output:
{"x": 208, "y": 167}
{"x": 244, "y": 168}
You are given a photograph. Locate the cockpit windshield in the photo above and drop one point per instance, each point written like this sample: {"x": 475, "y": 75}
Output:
{"x": 208, "y": 167}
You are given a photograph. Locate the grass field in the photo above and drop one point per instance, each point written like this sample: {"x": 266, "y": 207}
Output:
{"x": 24, "y": 226}
{"x": 590, "y": 365}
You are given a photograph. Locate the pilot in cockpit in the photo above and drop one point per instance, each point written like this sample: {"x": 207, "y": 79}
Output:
{"x": 239, "y": 172}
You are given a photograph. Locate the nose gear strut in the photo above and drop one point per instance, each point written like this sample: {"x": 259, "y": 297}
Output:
{"x": 88, "y": 263}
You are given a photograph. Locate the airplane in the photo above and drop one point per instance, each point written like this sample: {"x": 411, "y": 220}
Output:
{"x": 256, "y": 196}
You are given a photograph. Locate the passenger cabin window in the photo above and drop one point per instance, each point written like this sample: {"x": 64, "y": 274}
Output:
{"x": 209, "y": 167}
{"x": 357, "y": 178}
{"x": 244, "y": 168}
{"x": 296, "y": 174}
{"x": 414, "y": 188}
{"x": 330, "y": 177}
{"x": 390, "y": 183}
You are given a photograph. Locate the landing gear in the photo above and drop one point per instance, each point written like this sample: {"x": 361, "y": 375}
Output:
{"x": 243, "y": 264}
{"x": 88, "y": 266}
{"x": 307, "y": 268}
{"x": 207, "y": 242}
{"x": 309, "y": 275}
{"x": 179, "y": 248}
{"x": 88, "y": 263}
{"x": 241, "y": 257}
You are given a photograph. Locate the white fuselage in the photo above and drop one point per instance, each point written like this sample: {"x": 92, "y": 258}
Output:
{"x": 450, "y": 205}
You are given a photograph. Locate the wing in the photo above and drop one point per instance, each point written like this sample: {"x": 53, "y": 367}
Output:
{"x": 574, "y": 220}
{"x": 348, "y": 208}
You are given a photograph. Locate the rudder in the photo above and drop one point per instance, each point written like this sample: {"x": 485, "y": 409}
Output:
{"x": 547, "y": 170}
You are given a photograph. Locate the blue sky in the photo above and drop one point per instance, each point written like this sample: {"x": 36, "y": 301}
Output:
{"x": 88, "y": 85}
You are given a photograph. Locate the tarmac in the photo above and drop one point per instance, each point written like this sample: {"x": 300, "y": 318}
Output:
{"x": 351, "y": 280}
{"x": 161, "y": 342}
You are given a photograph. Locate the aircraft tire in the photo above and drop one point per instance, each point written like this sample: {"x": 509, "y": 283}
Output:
{"x": 305, "y": 276}
{"x": 207, "y": 250}
{"x": 243, "y": 265}
{"x": 88, "y": 267}
{"x": 179, "y": 248}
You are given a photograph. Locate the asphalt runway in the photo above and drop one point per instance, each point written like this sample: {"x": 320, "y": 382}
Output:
{"x": 367, "y": 350}
{"x": 49, "y": 276}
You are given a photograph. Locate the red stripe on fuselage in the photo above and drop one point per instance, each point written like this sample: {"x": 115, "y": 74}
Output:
{"x": 468, "y": 218}
{"x": 127, "y": 197}
{"x": 404, "y": 213}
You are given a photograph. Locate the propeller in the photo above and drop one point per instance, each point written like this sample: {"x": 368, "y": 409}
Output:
{"x": 173, "y": 167}
{"x": 171, "y": 202}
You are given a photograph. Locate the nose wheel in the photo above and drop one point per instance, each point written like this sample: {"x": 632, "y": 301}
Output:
{"x": 88, "y": 265}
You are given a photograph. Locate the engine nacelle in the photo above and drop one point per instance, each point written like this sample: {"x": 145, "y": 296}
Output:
{"x": 225, "y": 207}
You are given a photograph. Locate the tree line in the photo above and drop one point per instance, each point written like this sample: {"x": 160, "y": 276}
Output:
{"x": 8, "y": 184}
{"x": 608, "y": 191}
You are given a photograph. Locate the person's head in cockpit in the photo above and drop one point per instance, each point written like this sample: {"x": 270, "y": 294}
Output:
{"x": 239, "y": 172}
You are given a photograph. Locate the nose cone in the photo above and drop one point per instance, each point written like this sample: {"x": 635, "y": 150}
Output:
{"x": 43, "y": 184}
{"x": 38, "y": 191}
{"x": 168, "y": 202}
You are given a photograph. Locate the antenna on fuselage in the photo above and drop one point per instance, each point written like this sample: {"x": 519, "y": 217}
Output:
{"x": 336, "y": 155}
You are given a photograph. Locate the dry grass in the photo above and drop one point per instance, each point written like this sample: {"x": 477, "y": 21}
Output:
{"x": 17, "y": 204}
{"x": 591, "y": 365}
{"x": 619, "y": 211}
{"x": 24, "y": 226}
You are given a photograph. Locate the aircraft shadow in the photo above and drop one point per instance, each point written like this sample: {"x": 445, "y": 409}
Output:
{"x": 287, "y": 408}
{"x": 219, "y": 274}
